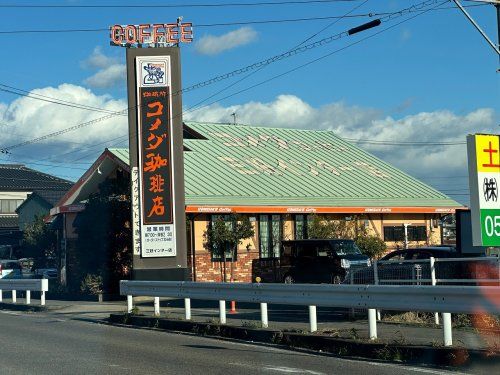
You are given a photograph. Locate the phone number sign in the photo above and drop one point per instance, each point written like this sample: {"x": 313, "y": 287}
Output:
{"x": 484, "y": 179}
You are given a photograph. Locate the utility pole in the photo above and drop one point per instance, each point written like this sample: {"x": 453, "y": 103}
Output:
{"x": 496, "y": 3}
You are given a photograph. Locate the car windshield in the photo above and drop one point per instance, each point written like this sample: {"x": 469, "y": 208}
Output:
{"x": 345, "y": 248}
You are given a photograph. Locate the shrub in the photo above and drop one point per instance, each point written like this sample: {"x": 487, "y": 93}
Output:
{"x": 91, "y": 284}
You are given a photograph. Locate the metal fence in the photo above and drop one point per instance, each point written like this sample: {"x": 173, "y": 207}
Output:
{"x": 480, "y": 271}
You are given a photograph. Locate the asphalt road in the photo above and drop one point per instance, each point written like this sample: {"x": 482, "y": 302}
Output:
{"x": 45, "y": 343}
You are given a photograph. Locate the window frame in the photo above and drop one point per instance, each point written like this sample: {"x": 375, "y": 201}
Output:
{"x": 270, "y": 238}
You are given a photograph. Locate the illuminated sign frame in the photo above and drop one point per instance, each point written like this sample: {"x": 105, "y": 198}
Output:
{"x": 484, "y": 179}
{"x": 156, "y": 161}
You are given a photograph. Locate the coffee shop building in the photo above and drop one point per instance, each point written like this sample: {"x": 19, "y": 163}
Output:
{"x": 279, "y": 178}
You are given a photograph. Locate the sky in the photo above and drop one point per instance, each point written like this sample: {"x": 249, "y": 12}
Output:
{"x": 399, "y": 90}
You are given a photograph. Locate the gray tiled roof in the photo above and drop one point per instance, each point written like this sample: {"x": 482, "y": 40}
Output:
{"x": 50, "y": 196}
{"x": 15, "y": 177}
{"x": 9, "y": 221}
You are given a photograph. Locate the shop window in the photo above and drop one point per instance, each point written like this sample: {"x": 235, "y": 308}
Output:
{"x": 217, "y": 254}
{"x": 270, "y": 236}
{"x": 397, "y": 233}
{"x": 394, "y": 234}
{"x": 300, "y": 227}
{"x": 417, "y": 233}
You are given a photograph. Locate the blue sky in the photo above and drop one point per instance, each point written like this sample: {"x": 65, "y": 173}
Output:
{"x": 432, "y": 78}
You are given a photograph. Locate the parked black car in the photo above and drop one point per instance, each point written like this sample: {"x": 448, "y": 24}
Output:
{"x": 319, "y": 261}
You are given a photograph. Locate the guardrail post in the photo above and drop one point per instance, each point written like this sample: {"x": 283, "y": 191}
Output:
{"x": 157, "y": 306}
{"x": 376, "y": 281}
{"x": 222, "y": 312}
{"x": 448, "y": 341}
{"x": 313, "y": 322}
{"x": 187, "y": 307}
{"x": 432, "y": 263}
{"x": 42, "y": 298}
{"x": 372, "y": 323}
{"x": 263, "y": 315}
{"x": 351, "y": 280}
{"x": 14, "y": 297}
{"x": 28, "y": 297}
{"x": 129, "y": 304}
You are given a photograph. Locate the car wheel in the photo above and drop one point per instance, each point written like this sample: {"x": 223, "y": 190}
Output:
{"x": 336, "y": 279}
{"x": 288, "y": 279}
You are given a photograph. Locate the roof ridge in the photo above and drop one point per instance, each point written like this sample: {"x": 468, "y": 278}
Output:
{"x": 258, "y": 126}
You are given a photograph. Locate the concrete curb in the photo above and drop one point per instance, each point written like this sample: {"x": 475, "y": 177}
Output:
{"x": 412, "y": 354}
{"x": 22, "y": 307}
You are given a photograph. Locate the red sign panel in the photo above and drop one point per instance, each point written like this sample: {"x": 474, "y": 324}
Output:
{"x": 155, "y": 148}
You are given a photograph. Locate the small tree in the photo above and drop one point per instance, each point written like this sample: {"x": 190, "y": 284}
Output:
{"x": 39, "y": 242}
{"x": 103, "y": 248}
{"x": 321, "y": 228}
{"x": 371, "y": 246}
{"x": 224, "y": 235}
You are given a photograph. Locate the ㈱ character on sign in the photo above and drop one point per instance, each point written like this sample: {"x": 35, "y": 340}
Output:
{"x": 490, "y": 189}
{"x": 155, "y": 74}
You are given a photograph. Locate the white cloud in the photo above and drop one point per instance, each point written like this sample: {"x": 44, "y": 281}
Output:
{"x": 213, "y": 45}
{"x": 110, "y": 72}
{"x": 108, "y": 77}
{"x": 370, "y": 124}
{"x": 28, "y": 118}
{"x": 98, "y": 59}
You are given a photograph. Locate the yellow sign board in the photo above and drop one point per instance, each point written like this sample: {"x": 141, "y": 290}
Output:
{"x": 487, "y": 153}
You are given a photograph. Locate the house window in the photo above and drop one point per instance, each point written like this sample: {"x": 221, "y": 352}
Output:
{"x": 397, "y": 233}
{"x": 218, "y": 254}
{"x": 417, "y": 233}
{"x": 394, "y": 234}
{"x": 9, "y": 206}
{"x": 270, "y": 236}
{"x": 300, "y": 226}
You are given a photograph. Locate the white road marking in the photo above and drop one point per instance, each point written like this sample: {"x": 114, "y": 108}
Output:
{"x": 282, "y": 369}
{"x": 291, "y": 370}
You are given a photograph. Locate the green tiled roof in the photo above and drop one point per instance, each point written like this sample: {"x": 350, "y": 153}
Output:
{"x": 248, "y": 165}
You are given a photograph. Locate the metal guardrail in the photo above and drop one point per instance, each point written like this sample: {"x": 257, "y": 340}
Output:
{"x": 28, "y": 285}
{"x": 445, "y": 299}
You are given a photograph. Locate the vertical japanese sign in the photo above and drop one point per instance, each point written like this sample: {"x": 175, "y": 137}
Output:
{"x": 154, "y": 133}
{"x": 484, "y": 177}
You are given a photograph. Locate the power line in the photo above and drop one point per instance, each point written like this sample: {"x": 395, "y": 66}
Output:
{"x": 403, "y": 143}
{"x": 420, "y": 6}
{"x": 45, "y": 98}
{"x": 206, "y": 5}
{"x": 294, "y": 69}
{"x": 246, "y": 89}
{"x": 242, "y": 79}
{"x": 234, "y": 23}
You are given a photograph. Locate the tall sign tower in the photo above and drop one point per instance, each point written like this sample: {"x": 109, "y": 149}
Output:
{"x": 156, "y": 147}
